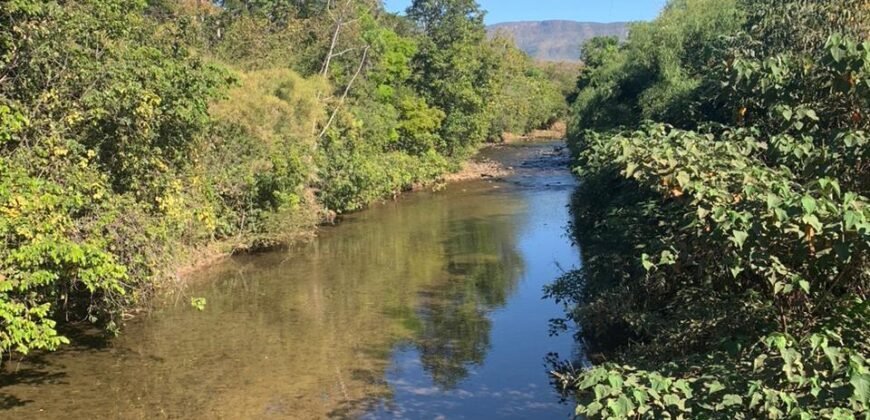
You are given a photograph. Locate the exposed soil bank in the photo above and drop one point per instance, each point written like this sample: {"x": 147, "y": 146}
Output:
{"x": 556, "y": 131}
{"x": 479, "y": 168}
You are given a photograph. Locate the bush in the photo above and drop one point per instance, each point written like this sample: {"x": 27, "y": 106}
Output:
{"x": 259, "y": 159}
{"x": 98, "y": 117}
{"x": 740, "y": 248}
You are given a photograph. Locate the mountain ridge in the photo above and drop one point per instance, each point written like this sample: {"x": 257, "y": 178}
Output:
{"x": 557, "y": 40}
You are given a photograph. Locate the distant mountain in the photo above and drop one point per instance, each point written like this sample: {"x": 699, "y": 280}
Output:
{"x": 557, "y": 40}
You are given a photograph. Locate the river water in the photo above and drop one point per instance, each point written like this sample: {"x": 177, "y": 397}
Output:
{"x": 426, "y": 307}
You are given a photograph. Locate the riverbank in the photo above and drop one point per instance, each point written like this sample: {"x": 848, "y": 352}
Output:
{"x": 557, "y": 130}
{"x": 411, "y": 308}
{"x": 478, "y": 167}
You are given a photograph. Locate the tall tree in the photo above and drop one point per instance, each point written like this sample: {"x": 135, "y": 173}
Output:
{"x": 450, "y": 70}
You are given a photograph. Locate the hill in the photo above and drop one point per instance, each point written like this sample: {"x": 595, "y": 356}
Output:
{"x": 557, "y": 40}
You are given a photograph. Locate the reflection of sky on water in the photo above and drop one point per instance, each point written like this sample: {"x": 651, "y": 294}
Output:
{"x": 511, "y": 381}
{"x": 417, "y": 397}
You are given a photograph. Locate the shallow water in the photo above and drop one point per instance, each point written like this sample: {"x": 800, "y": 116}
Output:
{"x": 430, "y": 306}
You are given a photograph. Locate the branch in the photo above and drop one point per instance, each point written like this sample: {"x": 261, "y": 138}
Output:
{"x": 324, "y": 69}
{"x": 344, "y": 95}
{"x": 341, "y": 53}
{"x": 339, "y": 23}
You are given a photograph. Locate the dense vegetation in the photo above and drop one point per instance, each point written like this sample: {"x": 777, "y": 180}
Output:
{"x": 723, "y": 216}
{"x": 134, "y": 131}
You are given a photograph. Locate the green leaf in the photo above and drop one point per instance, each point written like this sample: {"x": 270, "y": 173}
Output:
{"x": 731, "y": 399}
{"x": 615, "y": 380}
{"x": 630, "y": 169}
{"x": 759, "y": 362}
{"x": 778, "y": 287}
{"x": 813, "y": 221}
{"x": 805, "y": 286}
{"x": 809, "y": 204}
{"x": 773, "y": 201}
{"x": 861, "y": 388}
{"x": 816, "y": 340}
{"x": 756, "y": 398}
{"x": 621, "y": 407}
{"x": 683, "y": 385}
{"x": 715, "y": 387}
{"x": 594, "y": 408}
{"x": 683, "y": 179}
{"x": 640, "y": 396}
{"x": 836, "y": 53}
{"x": 834, "y": 355}
{"x": 739, "y": 238}
{"x": 667, "y": 258}
{"x": 671, "y": 400}
{"x": 646, "y": 262}
{"x": 835, "y": 185}
{"x": 851, "y": 219}
{"x": 601, "y": 391}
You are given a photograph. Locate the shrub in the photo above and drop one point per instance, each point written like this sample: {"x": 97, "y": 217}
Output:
{"x": 741, "y": 246}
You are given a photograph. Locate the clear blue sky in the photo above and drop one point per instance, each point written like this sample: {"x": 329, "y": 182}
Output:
{"x": 582, "y": 10}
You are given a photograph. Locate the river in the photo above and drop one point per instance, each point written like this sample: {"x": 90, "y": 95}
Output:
{"x": 429, "y": 306}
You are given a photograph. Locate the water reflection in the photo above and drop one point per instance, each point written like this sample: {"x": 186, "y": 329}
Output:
{"x": 505, "y": 374}
{"x": 483, "y": 268}
{"x": 442, "y": 290}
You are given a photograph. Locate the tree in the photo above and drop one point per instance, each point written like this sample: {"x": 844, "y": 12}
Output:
{"x": 450, "y": 71}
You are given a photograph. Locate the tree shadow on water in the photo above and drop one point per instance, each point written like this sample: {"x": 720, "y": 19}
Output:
{"x": 32, "y": 371}
{"x": 40, "y": 368}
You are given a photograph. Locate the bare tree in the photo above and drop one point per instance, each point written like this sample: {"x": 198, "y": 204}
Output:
{"x": 339, "y": 20}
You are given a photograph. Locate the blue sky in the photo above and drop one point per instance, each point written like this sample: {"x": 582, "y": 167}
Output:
{"x": 582, "y": 10}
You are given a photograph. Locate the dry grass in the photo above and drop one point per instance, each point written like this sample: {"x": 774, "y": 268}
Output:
{"x": 556, "y": 131}
{"x": 478, "y": 169}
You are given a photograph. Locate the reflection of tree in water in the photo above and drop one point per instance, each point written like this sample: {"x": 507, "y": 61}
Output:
{"x": 484, "y": 267}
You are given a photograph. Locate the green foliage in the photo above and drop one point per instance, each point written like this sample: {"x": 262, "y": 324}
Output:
{"x": 451, "y": 72}
{"x": 131, "y": 132}
{"x": 259, "y": 158}
{"x": 515, "y": 81}
{"x": 725, "y": 269}
{"x": 355, "y": 175}
{"x": 564, "y": 75}
{"x": 95, "y": 110}
{"x": 660, "y": 70}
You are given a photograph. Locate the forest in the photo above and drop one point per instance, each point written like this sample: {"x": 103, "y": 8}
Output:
{"x": 723, "y": 215}
{"x": 137, "y": 136}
